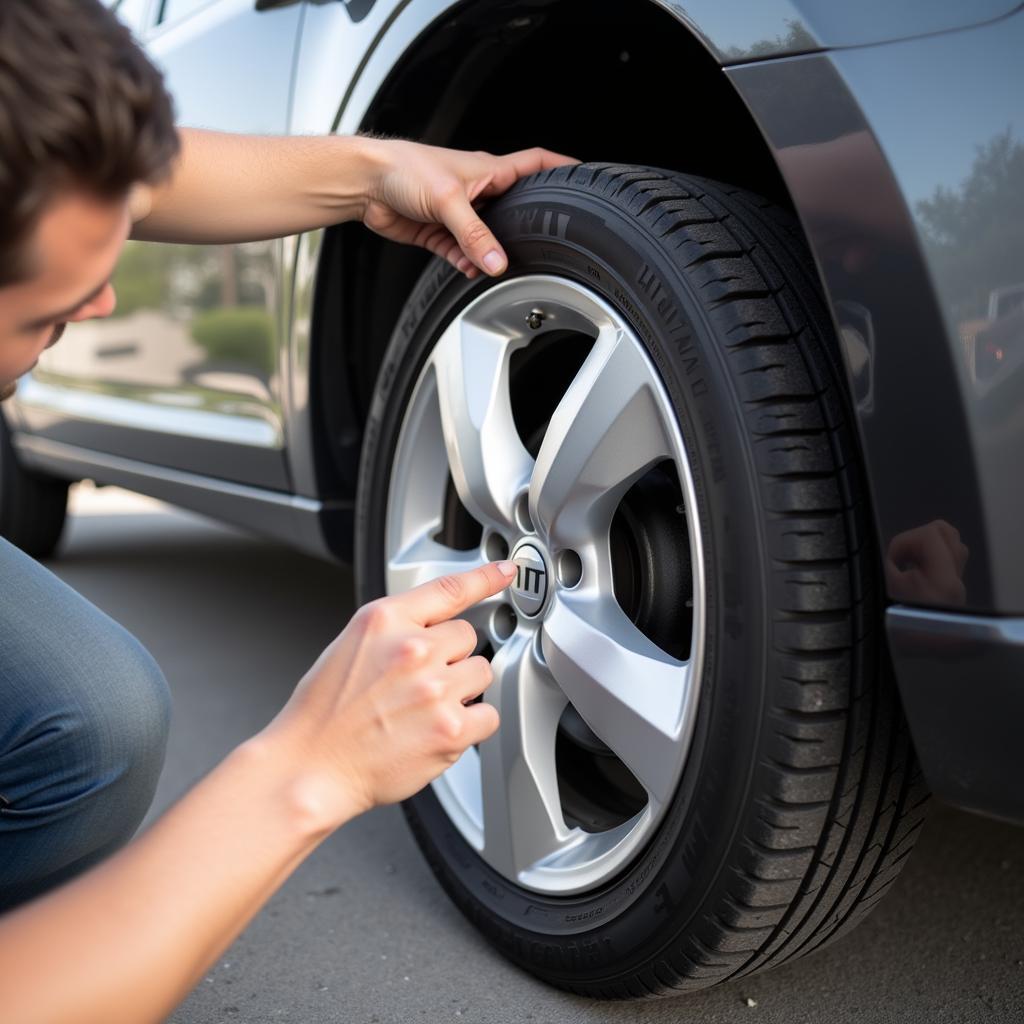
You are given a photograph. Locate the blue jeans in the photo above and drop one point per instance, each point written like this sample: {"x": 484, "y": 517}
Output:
{"x": 84, "y": 711}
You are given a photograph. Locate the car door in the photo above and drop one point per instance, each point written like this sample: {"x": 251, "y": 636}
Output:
{"x": 187, "y": 373}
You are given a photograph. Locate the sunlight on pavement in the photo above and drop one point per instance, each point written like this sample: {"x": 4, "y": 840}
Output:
{"x": 86, "y": 499}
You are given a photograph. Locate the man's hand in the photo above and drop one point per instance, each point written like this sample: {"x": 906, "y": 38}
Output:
{"x": 424, "y": 195}
{"x": 228, "y": 188}
{"x": 379, "y": 715}
{"x": 383, "y": 711}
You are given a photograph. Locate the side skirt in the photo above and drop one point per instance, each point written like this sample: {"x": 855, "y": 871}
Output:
{"x": 316, "y": 527}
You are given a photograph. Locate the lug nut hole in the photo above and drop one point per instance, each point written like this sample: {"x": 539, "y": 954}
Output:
{"x": 495, "y": 547}
{"x": 503, "y": 622}
{"x": 522, "y": 513}
{"x": 570, "y": 568}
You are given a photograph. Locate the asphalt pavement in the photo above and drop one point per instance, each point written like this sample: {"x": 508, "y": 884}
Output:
{"x": 362, "y": 933}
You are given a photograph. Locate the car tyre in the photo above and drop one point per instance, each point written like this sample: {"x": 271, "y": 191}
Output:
{"x": 800, "y": 797}
{"x": 33, "y": 506}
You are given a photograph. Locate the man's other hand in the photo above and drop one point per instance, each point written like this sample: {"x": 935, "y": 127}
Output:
{"x": 425, "y": 195}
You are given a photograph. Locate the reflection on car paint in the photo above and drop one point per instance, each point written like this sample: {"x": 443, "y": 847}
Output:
{"x": 977, "y": 252}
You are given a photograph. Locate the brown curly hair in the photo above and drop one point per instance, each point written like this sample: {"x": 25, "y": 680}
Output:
{"x": 81, "y": 106}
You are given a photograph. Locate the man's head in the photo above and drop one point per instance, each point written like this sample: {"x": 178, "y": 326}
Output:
{"x": 84, "y": 120}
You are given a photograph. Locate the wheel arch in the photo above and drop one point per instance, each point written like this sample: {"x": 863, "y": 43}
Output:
{"x": 492, "y": 96}
{"x": 456, "y": 108}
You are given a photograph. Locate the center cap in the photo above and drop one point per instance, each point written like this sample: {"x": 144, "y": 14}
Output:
{"x": 530, "y": 587}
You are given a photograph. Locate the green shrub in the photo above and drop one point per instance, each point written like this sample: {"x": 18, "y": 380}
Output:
{"x": 240, "y": 334}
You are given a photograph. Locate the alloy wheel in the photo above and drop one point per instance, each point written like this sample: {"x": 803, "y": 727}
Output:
{"x": 540, "y": 429}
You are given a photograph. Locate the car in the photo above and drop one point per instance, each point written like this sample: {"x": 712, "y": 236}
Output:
{"x": 747, "y": 412}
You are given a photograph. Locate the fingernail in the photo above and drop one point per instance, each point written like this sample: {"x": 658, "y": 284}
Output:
{"x": 507, "y": 568}
{"x": 494, "y": 262}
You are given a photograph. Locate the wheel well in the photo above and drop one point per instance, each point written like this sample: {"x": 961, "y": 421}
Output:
{"x": 619, "y": 81}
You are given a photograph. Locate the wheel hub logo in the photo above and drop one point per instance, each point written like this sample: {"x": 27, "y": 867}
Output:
{"x": 530, "y": 587}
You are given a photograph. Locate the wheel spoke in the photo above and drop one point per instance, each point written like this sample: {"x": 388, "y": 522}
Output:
{"x": 424, "y": 559}
{"x": 488, "y": 462}
{"x": 523, "y": 820}
{"x": 629, "y": 691}
{"x": 606, "y": 431}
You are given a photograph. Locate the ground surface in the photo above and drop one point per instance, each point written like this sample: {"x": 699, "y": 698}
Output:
{"x": 361, "y": 933}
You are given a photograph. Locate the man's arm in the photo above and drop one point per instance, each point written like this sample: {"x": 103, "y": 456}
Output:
{"x": 237, "y": 188}
{"x": 380, "y": 714}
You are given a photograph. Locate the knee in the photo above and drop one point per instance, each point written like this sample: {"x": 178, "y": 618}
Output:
{"x": 98, "y": 731}
{"x": 83, "y": 731}
{"x": 80, "y": 757}
{"x": 83, "y": 695}
{"x": 125, "y": 713}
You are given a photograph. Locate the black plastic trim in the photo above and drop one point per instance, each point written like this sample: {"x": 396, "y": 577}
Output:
{"x": 962, "y": 682}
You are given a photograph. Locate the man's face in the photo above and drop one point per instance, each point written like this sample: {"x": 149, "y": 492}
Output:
{"x": 72, "y": 253}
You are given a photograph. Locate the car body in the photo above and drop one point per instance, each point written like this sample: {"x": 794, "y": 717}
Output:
{"x": 235, "y": 380}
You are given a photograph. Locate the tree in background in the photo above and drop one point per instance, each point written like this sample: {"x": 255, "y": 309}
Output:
{"x": 975, "y": 234}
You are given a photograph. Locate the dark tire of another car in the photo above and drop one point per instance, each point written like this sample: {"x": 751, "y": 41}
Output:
{"x": 33, "y": 506}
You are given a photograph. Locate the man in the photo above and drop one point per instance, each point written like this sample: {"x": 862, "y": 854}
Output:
{"x": 88, "y": 156}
